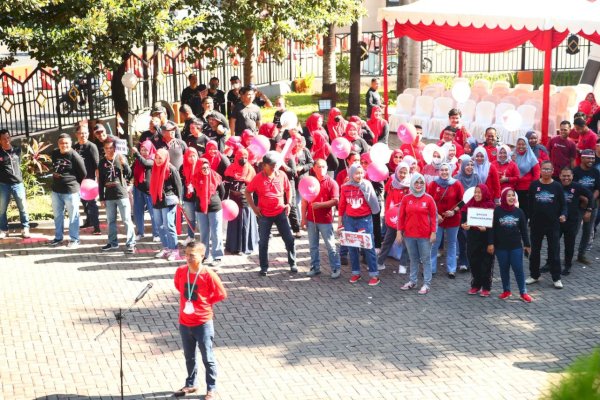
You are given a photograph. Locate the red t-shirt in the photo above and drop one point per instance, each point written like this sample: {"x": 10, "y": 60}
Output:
{"x": 418, "y": 216}
{"x": 342, "y": 177}
{"x": 353, "y": 202}
{"x": 524, "y": 181}
{"x": 561, "y": 152}
{"x": 446, "y": 199}
{"x": 271, "y": 192}
{"x": 393, "y": 196}
{"x": 207, "y": 290}
{"x": 492, "y": 152}
{"x": 493, "y": 182}
{"x": 509, "y": 170}
{"x": 574, "y": 135}
{"x": 329, "y": 190}
{"x": 586, "y": 141}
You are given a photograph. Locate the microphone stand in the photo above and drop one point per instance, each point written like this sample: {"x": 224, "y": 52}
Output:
{"x": 119, "y": 316}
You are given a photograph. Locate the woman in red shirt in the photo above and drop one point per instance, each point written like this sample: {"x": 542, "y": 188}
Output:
{"x": 487, "y": 172}
{"x": 358, "y": 202}
{"x": 447, "y": 193}
{"x": 529, "y": 171}
{"x": 416, "y": 229}
{"x": 508, "y": 170}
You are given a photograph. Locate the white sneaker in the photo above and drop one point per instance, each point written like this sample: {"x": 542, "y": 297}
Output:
{"x": 424, "y": 289}
{"x": 156, "y": 239}
{"x": 3, "y": 234}
{"x": 188, "y": 240}
{"x": 162, "y": 253}
{"x": 402, "y": 269}
{"x": 138, "y": 238}
{"x": 380, "y": 267}
{"x": 531, "y": 281}
{"x": 173, "y": 255}
{"x": 462, "y": 268}
{"x": 25, "y": 234}
{"x": 558, "y": 284}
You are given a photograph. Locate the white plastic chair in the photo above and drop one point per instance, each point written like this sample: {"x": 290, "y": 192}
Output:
{"x": 439, "y": 120}
{"x": 404, "y": 109}
{"x": 484, "y": 117}
{"x": 482, "y": 84}
{"x": 423, "y": 109}
{"x": 562, "y": 103}
{"x": 491, "y": 98}
{"x": 498, "y": 123}
{"x": 500, "y": 91}
{"x": 528, "y": 87}
{"x": 512, "y": 100}
{"x": 527, "y": 112}
{"x": 414, "y": 91}
{"x": 571, "y": 94}
{"x": 500, "y": 84}
{"x": 468, "y": 112}
{"x": 431, "y": 92}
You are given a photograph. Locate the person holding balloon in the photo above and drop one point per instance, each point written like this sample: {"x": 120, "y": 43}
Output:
{"x": 210, "y": 192}
{"x": 288, "y": 166}
{"x": 395, "y": 159}
{"x": 242, "y": 231}
{"x": 357, "y": 143}
{"x": 468, "y": 179}
{"x": 377, "y": 174}
{"x": 91, "y": 157}
{"x": 434, "y": 157}
{"x": 341, "y": 178}
{"x": 320, "y": 142}
{"x": 358, "y": 202}
{"x": 319, "y": 195}
{"x": 410, "y": 136}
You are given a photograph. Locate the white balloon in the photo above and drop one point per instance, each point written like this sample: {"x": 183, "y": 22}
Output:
{"x": 468, "y": 194}
{"x": 511, "y": 120}
{"x": 380, "y": 152}
{"x": 129, "y": 80}
{"x": 142, "y": 122}
{"x": 288, "y": 120}
{"x": 461, "y": 91}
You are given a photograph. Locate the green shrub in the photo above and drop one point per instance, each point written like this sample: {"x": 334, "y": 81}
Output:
{"x": 342, "y": 72}
{"x": 39, "y": 208}
{"x": 581, "y": 381}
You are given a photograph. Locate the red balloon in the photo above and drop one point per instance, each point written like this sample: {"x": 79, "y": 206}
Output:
{"x": 309, "y": 188}
{"x": 377, "y": 172}
{"x": 88, "y": 190}
{"x": 340, "y": 147}
{"x": 391, "y": 217}
{"x": 230, "y": 210}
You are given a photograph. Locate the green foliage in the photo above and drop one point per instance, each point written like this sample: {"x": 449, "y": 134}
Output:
{"x": 34, "y": 163}
{"x": 559, "y": 78}
{"x": 342, "y": 72}
{"x": 39, "y": 208}
{"x": 581, "y": 382}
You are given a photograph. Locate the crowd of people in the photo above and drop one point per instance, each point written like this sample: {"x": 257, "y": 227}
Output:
{"x": 530, "y": 192}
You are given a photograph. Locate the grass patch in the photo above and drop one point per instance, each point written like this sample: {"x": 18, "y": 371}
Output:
{"x": 39, "y": 208}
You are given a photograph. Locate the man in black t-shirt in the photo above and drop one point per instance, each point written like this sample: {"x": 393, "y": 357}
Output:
{"x": 245, "y": 115}
{"x": 589, "y": 178}
{"x": 197, "y": 139}
{"x": 372, "y": 97}
{"x": 233, "y": 96}
{"x": 89, "y": 152}
{"x": 11, "y": 184}
{"x": 216, "y": 94}
{"x": 193, "y": 94}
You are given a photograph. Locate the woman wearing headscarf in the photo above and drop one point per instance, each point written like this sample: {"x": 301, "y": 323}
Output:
{"x": 336, "y": 124}
{"x": 479, "y": 238}
{"x": 540, "y": 151}
{"x": 507, "y": 168}
{"x": 510, "y": 238}
{"x": 304, "y": 162}
{"x": 487, "y": 173}
{"x": 247, "y": 136}
{"x": 270, "y": 131}
{"x": 358, "y": 202}
{"x": 365, "y": 161}
{"x": 209, "y": 211}
{"x": 218, "y": 162}
{"x": 357, "y": 143}
{"x": 594, "y": 115}
{"x": 450, "y": 150}
{"x": 470, "y": 146}
{"x": 395, "y": 159}
{"x": 166, "y": 192}
{"x": 379, "y": 126}
{"x": 468, "y": 179}
{"x": 242, "y": 232}
{"x": 417, "y": 225}
{"x": 186, "y": 172}
{"x": 142, "y": 168}
{"x": 431, "y": 171}
{"x": 447, "y": 193}
{"x": 413, "y": 164}
{"x": 529, "y": 171}
{"x": 396, "y": 188}
{"x": 415, "y": 149}
{"x": 365, "y": 131}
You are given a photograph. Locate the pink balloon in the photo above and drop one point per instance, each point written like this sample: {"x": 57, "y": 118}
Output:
{"x": 230, "y": 210}
{"x": 256, "y": 150}
{"x": 407, "y": 133}
{"x": 263, "y": 142}
{"x": 340, "y": 147}
{"x": 309, "y": 188}
{"x": 88, "y": 190}
{"x": 377, "y": 172}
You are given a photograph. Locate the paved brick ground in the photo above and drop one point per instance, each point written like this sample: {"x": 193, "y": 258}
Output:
{"x": 283, "y": 336}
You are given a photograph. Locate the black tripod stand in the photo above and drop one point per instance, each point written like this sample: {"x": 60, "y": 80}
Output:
{"x": 119, "y": 316}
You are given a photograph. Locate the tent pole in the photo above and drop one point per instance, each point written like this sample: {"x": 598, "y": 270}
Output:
{"x": 547, "y": 78}
{"x": 460, "y": 63}
{"x": 384, "y": 46}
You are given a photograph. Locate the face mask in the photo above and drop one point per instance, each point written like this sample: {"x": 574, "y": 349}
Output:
{"x": 437, "y": 160}
{"x": 242, "y": 161}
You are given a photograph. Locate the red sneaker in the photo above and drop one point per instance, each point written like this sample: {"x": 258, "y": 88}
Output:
{"x": 355, "y": 278}
{"x": 374, "y": 281}
{"x": 485, "y": 293}
{"x": 473, "y": 291}
{"x": 505, "y": 295}
{"x": 526, "y": 298}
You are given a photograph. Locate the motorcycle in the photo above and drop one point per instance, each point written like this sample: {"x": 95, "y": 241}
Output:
{"x": 67, "y": 103}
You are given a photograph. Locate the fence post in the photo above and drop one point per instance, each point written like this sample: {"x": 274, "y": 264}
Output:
{"x": 25, "y": 117}
{"x": 291, "y": 60}
{"x": 175, "y": 91}
{"x": 523, "y": 56}
{"x": 270, "y": 70}
{"x": 90, "y": 91}
{"x": 225, "y": 77}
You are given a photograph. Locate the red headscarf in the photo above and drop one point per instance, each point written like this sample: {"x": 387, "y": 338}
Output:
{"x": 592, "y": 100}
{"x": 376, "y": 124}
{"x": 336, "y": 129}
{"x": 268, "y": 130}
{"x": 160, "y": 173}
{"x": 139, "y": 171}
{"x": 240, "y": 173}
{"x": 486, "y": 199}
{"x": 213, "y": 161}
{"x": 503, "y": 202}
{"x": 205, "y": 185}
{"x": 350, "y": 126}
{"x": 247, "y": 136}
{"x": 392, "y": 164}
{"x": 320, "y": 147}
{"x": 189, "y": 168}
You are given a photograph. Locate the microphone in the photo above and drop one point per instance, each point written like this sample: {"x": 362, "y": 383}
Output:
{"x": 143, "y": 293}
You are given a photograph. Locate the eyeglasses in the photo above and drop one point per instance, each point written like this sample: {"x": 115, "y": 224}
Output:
{"x": 547, "y": 169}
{"x": 419, "y": 183}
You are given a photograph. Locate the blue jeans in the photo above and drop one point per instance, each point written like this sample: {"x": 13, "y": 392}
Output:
{"x": 17, "y": 190}
{"x": 201, "y": 336}
{"x": 352, "y": 224}
{"x": 586, "y": 233}
{"x": 264, "y": 230}
{"x": 165, "y": 219}
{"x": 111, "y": 218}
{"x": 189, "y": 208}
{"x": 139, "y": 200}
{"x": 450, "y": 234}
{"x": 211, "y": 233}
{"x": 326, "y": 231}
{"x": 419, "y": 250}
{"x": 71, "y": 202}
{"x": 511, "y": 258}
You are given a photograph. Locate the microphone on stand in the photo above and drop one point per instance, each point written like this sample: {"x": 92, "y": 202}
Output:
{"x": 143, "y": 293}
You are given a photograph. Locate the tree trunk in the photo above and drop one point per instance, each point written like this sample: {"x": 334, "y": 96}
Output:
{"x": 401, "y": 72}
{"x": 329, "y": 90}
{"x": 120, "y": 98}
{"x": 414, "y": 64}
{"x": 249, "y": 57}
{"x": 354, "y": 95}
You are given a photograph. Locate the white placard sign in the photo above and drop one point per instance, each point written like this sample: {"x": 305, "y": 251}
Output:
{"x": 356, "y": 239}
{"x": 121, "y": 146}
{"x": 480, "y": 217}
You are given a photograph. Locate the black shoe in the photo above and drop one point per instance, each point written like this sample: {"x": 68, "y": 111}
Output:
{"x": 97, "y": 232}
{"x": 293, "y": 269}
{"x": 54, "y": 242}
{"x": 566, "y": 271}
{"x": 109, "y": 247}
{"x": 86, "y": 224}
{"x": 262, "y": 272}
{"x": 451, "y": 275}
{"x": 130, "y": 249}
{"x": 583, "y": 260}
{"x": 344, "y": 260}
